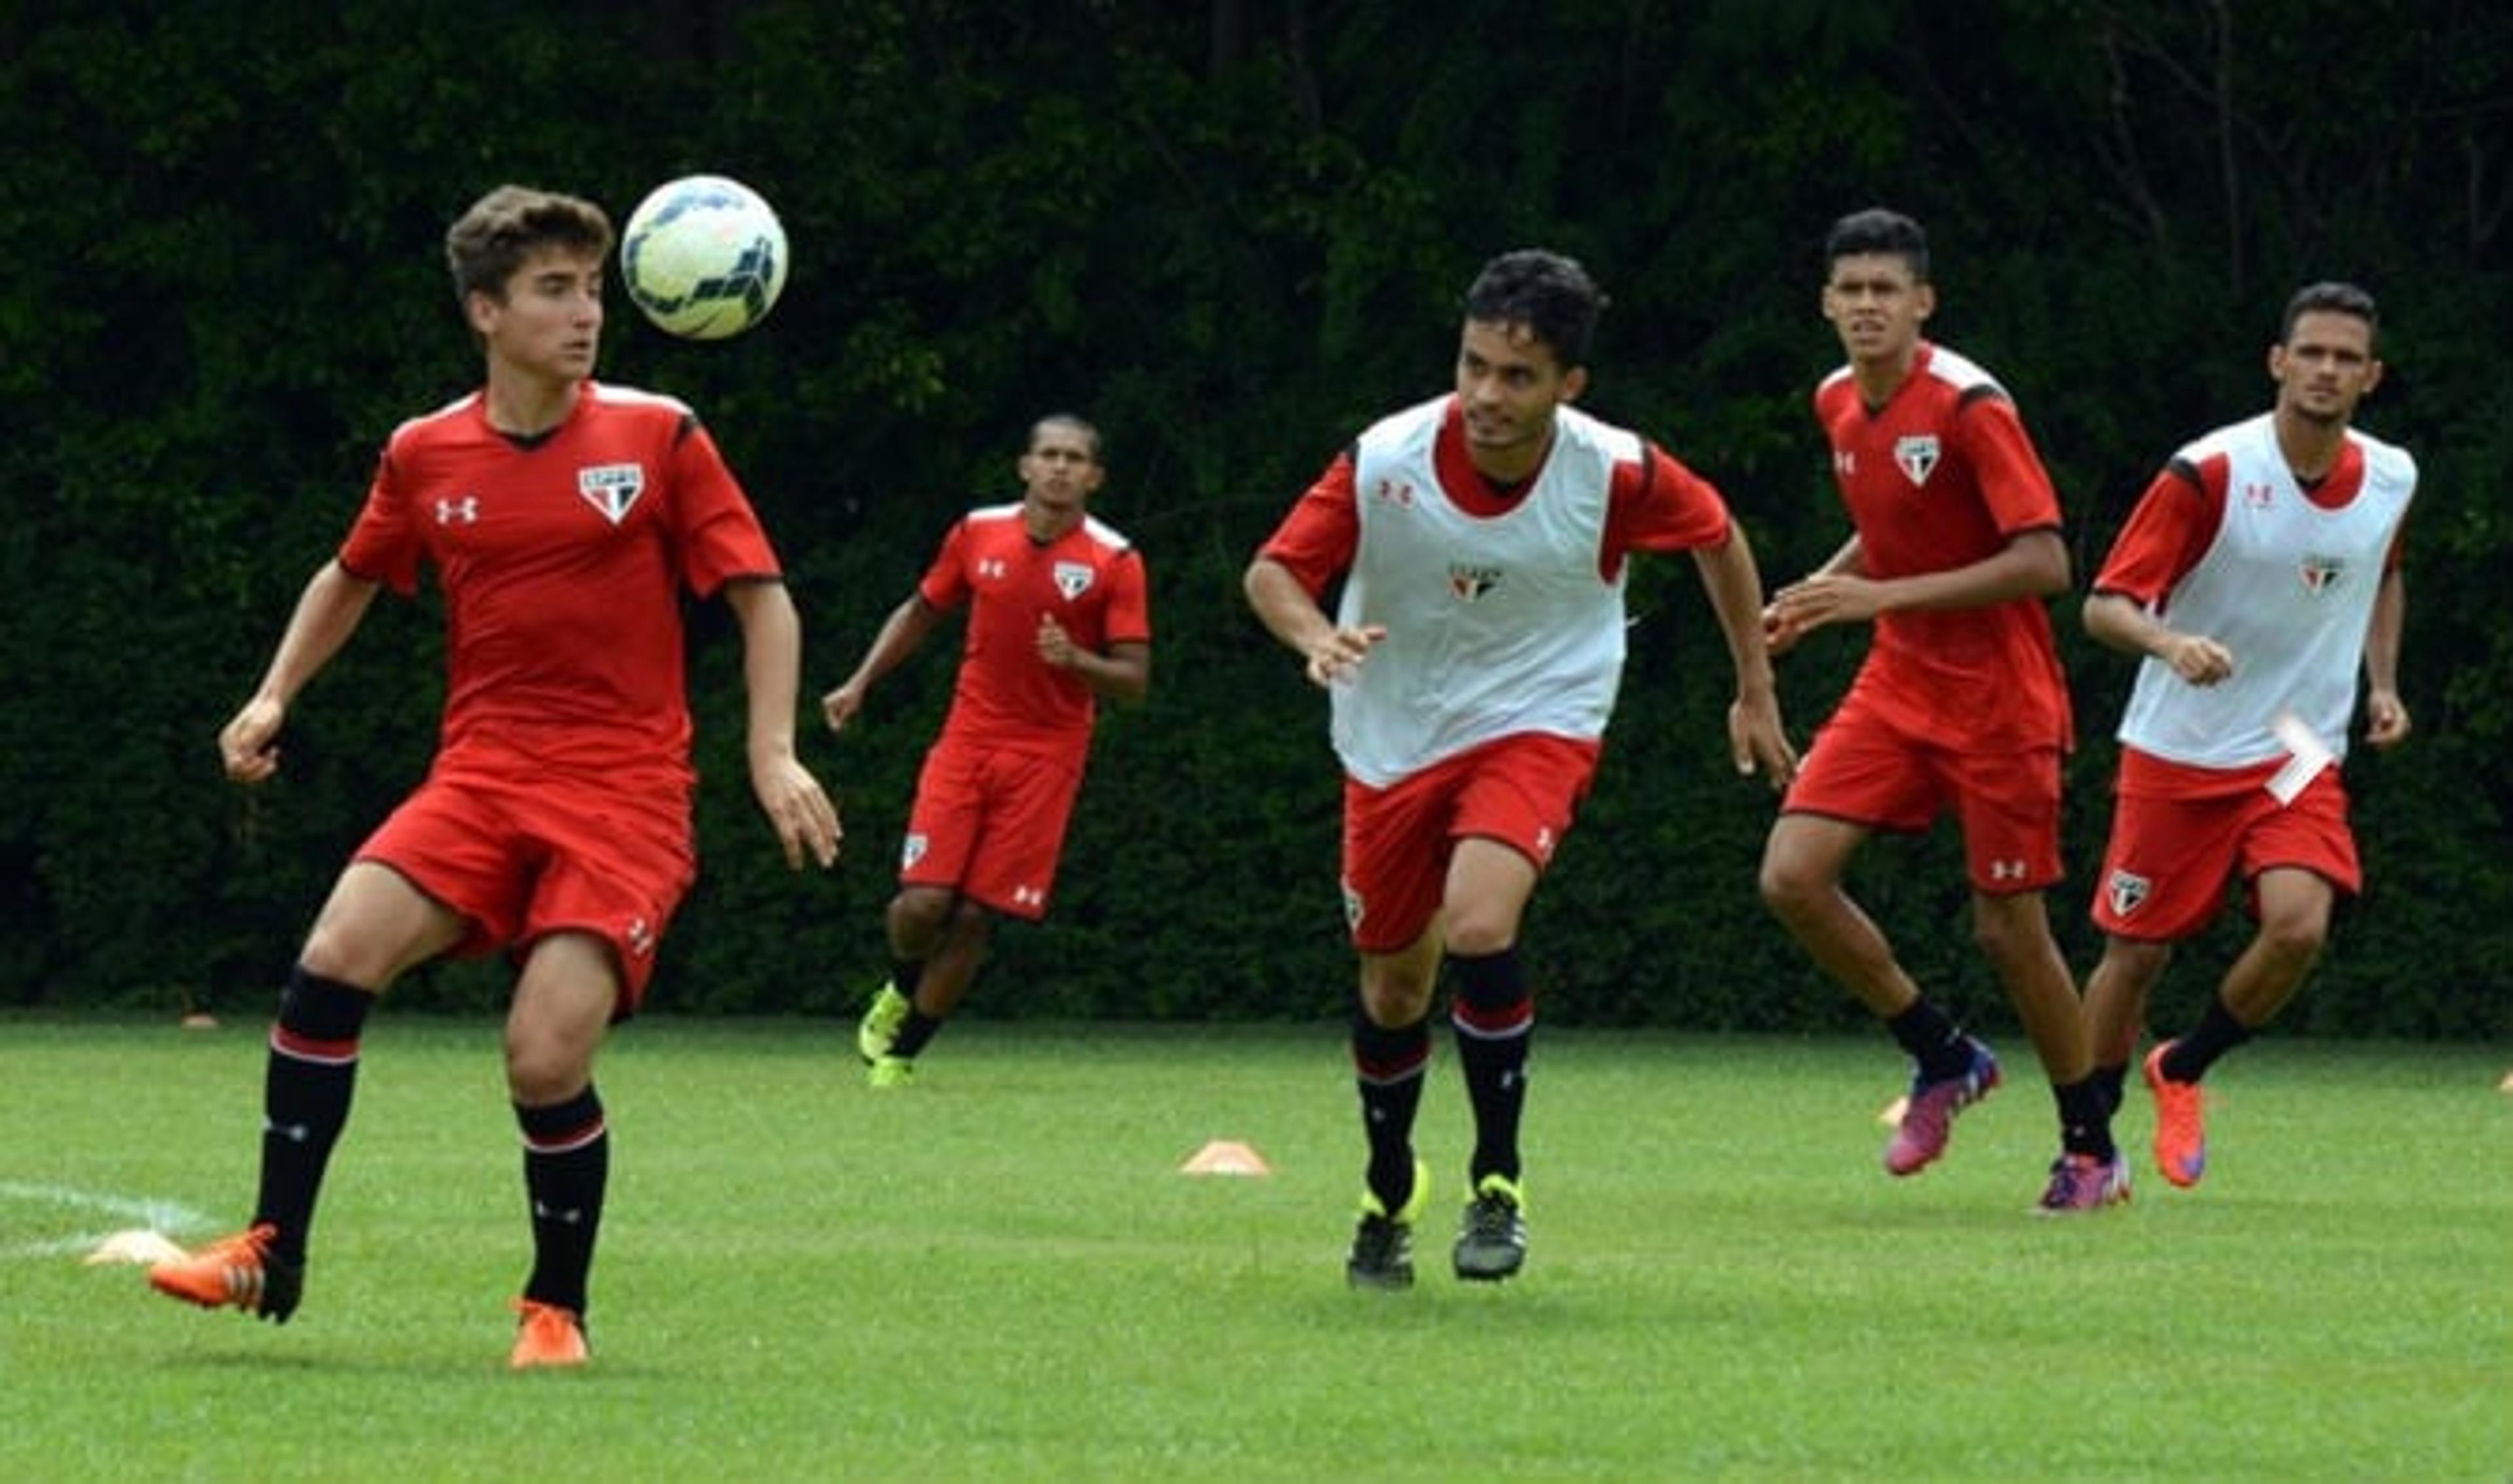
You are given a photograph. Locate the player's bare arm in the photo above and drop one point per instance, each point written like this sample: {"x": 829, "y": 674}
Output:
{"x": 327, "y": 614}
{"x": 901, "y": 633}
{"x": 2386, "y": 716}
{"x": 2033, "y": 563}
{"x": 1756, "y": 739}
{"x": 1780, "y": 632}
{"x": 1291, "y": 616}
{"x": 772, "y": 666}
{"x": 2120, "y": 621}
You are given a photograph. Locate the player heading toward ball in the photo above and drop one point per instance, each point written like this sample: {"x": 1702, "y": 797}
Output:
{"x": 1960, "y": 705}
{"x": 2259, "y": 570}
{"x": 565, "y": 519}
{"x": 1059, "y": 615}
{"x": 1481, "y": 538}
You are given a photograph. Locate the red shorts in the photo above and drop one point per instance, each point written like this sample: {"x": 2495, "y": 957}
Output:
{"x": 1864, "y": 771}
{"x": 1518, "y": 791}
{"x": 520, "y": 858}
{"x": 2170, "y": 857}
{"x": 988, "y": 822}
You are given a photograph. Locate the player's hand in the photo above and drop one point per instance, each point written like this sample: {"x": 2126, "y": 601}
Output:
{"x": 805, "y": 816}
{"x": 2386, "y": 719}
{"x": 1332, "y": 658}
{"x": 1758, "y": 742}
{"x": 248, "y": 744}
{"x": 1827, "y": 597}
{"x": 1779, "y": 633}
{"x": 2197, "y": 659}
{"x": 839, "y": 706}
{"x": 1054, "y": 645}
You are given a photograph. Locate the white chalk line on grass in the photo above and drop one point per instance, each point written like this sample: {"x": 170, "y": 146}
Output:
{"x": 162, "y": 1215}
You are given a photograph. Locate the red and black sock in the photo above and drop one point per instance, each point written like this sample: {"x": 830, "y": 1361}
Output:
{"x": 309, "y": 1080}
{"x": 566, "y": 1167}
{"x": 1493, "y": 1015}
{"x": 1388, "y": 1065}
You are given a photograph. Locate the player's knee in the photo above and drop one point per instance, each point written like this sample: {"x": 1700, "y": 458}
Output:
{"x": 2294, "y": 937}
{"x": 917, "y": 914}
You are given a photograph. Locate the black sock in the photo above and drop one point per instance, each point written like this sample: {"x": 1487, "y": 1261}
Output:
{"x": 903, "y": 974}
{"x": 2111, "y": 1082}
{"x": 1933, "y": 1041}
{"x": 2085, "y": 1118}
{"x": 566, "y": 1167}
{"x": 307, "y": 1082}
{"x": 1494, "y": 1017}
{"x": 914, "y": 1033}
{"x": 1388, "y": 1065}
{"x": 2189, "y": 1057}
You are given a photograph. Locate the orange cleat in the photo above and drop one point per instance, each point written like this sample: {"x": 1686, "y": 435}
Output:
{"x": 2180, "y": 1123}
{"x": 238, "y": 1271}
{"x": 547, "y": 1335}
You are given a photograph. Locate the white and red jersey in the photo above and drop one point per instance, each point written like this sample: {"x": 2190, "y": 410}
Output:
{"x": 2225, "y": 543}
{"x": 1089, "y": 580}
{"x": 1942, "y": 476}
{"x": 1504, "y": 611}
{"x": 562, "y": 559}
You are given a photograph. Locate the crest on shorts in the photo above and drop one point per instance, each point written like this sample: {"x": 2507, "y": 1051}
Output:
{"x": 611, "y": 487}
{"x": 2129, "y": 891}
{"x": 1467, "y": 584}
{"x": 1073, "y": 579}
{"x": 1916, "y": 456}
{"x": 911, "y": 851}
{"x": 1352, "y": 907}
{"x": 2320, "y": 574}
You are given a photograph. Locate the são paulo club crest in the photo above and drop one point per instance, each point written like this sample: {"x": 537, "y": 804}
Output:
{"x": 1916, "y": 456}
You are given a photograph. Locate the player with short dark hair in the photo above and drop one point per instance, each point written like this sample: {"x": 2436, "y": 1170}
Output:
{"x": 1059, "y": 615}
{"x": 1960, "y": 705}
{"x": 1481, "y": 540}
{"x": 2259, "y": 571}
{"x": 564, "y": 518}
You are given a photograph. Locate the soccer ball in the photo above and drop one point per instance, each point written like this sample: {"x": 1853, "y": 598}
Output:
{"x": 703, "y": 256}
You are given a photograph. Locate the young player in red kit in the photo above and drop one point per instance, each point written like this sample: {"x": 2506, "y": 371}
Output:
{"x": 565, "y": 519}
{"x": 1482, "y": 541}
{"x": 2259, "y": 571}
{"x": 1059, "y": 617}
{"x": 1960, "y": 705}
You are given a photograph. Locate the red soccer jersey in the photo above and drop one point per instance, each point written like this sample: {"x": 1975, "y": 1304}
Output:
{"x": 562, "y": 559}
{"x": 1656, "y": 505}
{"x": 1942, "y": 476}
{"x": 1089, "y": 580}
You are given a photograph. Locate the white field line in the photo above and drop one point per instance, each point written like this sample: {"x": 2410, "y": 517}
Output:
{"x": 125, "y": 1211}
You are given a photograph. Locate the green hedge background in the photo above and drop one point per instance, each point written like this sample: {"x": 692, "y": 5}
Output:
{"x": 1230, "y": 234}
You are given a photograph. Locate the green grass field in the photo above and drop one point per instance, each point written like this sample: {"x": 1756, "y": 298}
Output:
{"x": 1002, "y": 1274}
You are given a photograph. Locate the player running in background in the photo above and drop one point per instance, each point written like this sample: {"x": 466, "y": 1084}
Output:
{"x": 564, "y": 519}
{"x": 1481, "y": 540}
{"x": 1059, "y": 615}
{"x": 1959, "y": 704}
{"x": 2258, "y": 572}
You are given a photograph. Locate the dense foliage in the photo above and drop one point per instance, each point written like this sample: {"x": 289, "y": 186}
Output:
{"x": 1230, "y": 235}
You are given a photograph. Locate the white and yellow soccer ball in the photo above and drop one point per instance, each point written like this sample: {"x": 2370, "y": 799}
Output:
{"x": 703, "y": 256}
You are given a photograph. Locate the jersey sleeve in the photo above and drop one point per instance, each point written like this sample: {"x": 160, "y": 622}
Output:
{"x": 1658, "y": 504}
{"x": 946, "y": 583}
{"x": 1317, "y": 541}
{"x": 2014, "y": 485}
{"x": 2170, "y": 530}
{"x": 382, "y": 545}
{"x": 1129, "y": 605}
{"x": 720, "y": 536}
